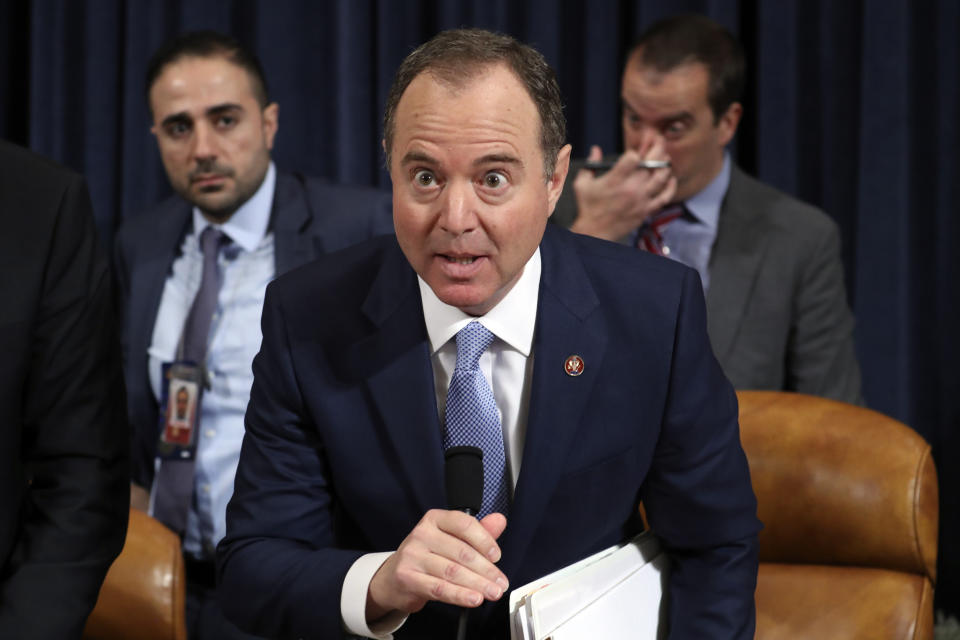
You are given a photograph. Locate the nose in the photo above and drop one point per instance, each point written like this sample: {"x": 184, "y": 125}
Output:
{"x": 458, "y": 211}
{"x": 650, "y": 136}
{"x": 204, "y": 145}
{"x": 642, "y": 137}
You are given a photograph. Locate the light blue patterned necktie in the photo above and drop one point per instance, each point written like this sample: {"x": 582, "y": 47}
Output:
{"x": 472, "y": 417}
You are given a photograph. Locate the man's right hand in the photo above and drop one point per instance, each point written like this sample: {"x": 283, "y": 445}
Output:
{"x": 612, "y": 205}
{"x": 449, "y": 557}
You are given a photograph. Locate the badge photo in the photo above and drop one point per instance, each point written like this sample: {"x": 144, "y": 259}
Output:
{"x": 181, "y": 412}
{"x": 179, "y": 421}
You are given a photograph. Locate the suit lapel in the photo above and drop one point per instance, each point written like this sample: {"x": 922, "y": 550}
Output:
{"x": 289, "y": 217}
{"x": 568, "y": 323}
{"x": 156, "y": 254}
{"x": 734, "y": 264}
{"x": 395, "y": 362}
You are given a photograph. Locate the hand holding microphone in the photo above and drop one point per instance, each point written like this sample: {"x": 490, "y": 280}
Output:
{"x": 449, "y": 556}
{"x": 463, "y": 478}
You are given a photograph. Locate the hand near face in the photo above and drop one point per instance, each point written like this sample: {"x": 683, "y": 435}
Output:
{"x": 449, "y": 557}
{"x": 612, "y": 205}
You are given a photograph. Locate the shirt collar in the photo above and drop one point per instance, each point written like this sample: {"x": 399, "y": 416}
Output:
{"x": 512, "y": 320}
{"x": 705, "y": 205}
{"x": 248, "y": 224}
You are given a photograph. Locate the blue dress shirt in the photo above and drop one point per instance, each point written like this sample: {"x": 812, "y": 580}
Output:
{"x": 248, "y": 265}
{"x": 691, "y": 236}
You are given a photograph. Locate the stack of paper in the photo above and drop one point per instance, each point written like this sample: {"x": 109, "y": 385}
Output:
{"x": 616, "y": 593}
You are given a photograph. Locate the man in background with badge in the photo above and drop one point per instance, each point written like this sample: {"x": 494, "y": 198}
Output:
{"x": 192, "y": 274}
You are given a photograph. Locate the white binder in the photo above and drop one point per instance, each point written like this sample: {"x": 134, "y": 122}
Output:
{"x": 616, "y": 593}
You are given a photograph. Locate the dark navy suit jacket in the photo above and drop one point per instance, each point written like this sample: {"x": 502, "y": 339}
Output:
{"x": 343, "y": 455}
{"x": 309, "y": 218}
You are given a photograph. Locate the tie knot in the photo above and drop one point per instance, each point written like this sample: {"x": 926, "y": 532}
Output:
{"x": 211, "y": 239}
{"x": 666, "y": 215}
{"x": 472, "y": 341}
{"x": 649, "y": 237}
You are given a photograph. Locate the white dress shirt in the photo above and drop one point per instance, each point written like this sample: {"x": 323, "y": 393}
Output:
{"x": 507, "y": 365}
{"x": 247, "y": 265}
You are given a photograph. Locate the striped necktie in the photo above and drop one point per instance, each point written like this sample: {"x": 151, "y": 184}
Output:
{"x": 649, "y": 237}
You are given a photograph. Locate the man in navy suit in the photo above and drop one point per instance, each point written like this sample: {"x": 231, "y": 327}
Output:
{"x": 603, "y": 378}
{"x": 215, "y": 127}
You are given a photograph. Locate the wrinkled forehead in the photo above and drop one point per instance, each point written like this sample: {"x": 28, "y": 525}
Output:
{"x": 486, "y": 95}
{"x": 489, "y": 105}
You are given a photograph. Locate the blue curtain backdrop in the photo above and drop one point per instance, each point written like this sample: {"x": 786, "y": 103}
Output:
{"x": 850, "y": 105}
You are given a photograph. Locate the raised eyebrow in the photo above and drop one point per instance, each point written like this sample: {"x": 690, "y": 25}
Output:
{"x": 681, "y": 116}
{"x": 414, "y": 157}
{"x": 498, "y": 158}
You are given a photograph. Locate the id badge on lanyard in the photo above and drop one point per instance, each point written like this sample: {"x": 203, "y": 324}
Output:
{"x": 180, "y": 389}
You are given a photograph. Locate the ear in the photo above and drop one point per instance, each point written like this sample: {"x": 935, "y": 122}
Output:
{"x": 555, "y": 183}
{"x": 271, "y": 122}
{"x": 383, "y": 145}
{"x": 154, "y": 129}
{"x": 728, "y": 123}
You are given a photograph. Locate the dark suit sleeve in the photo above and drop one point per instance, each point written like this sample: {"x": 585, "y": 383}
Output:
{"x": 280, "y": 573}
{"x": 820, "y": 357}
{"x": 73, "y": 449}
{"x": 142, "y": 450}
{"x": 698, "y": 495}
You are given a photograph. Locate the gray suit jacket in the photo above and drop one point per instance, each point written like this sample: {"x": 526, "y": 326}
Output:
{"x": 309, "y": 218}
{"x": 777, "y": 309}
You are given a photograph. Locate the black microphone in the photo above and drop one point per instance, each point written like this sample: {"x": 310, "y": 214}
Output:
{"x": 463, "y": 477}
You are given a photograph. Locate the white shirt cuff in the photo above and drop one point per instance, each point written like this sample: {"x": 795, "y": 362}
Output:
{"x": 353, "y": 600}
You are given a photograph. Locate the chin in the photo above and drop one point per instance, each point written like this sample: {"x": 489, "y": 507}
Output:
{"x": 219, "y": 208}
{"x": 455, "y": 296}
{"x": 475, "y": 304}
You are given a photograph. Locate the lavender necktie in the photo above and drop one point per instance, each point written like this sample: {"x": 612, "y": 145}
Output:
{"x": 473, "y": 419}
{"x": 173, "y": 490}
{"x": 196, "y": 329}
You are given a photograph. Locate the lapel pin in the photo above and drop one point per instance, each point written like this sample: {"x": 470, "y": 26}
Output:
{"x": 573, "y": 366}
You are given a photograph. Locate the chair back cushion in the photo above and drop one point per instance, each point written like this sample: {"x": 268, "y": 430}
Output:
{"x": 838, "y": 484}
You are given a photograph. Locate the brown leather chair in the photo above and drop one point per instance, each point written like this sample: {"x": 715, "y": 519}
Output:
{"x": 145, "y": 589}
{"x": 848, "y": 498}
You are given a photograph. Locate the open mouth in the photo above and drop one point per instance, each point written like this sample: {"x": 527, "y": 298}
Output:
{"x": 460, "y": 260}
{"x": 460, "y": 266}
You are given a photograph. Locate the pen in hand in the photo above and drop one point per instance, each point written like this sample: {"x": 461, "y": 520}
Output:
{"x": 599, "y": 166}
